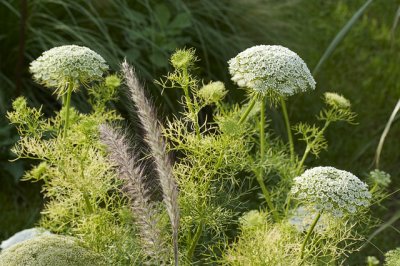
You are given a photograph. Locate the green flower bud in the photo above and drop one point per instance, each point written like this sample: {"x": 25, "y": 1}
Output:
{"x": 183, "y": 58}
{"x": 212, "y": 92}
{"x": 336, "y": 100}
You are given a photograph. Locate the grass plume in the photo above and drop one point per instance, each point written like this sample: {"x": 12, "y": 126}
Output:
{"x": 133, "y": 177}
{"x": 158, "y": 147}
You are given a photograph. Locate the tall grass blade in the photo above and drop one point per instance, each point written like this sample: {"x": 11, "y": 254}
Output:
{"x": 340, "y": 36}
{"x": 384, "y": 134}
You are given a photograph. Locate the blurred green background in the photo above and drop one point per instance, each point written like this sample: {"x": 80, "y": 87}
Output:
{"x": 364, "y": 66}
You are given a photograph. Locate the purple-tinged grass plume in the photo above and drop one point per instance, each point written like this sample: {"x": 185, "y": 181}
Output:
{"x": 158, "y": 147}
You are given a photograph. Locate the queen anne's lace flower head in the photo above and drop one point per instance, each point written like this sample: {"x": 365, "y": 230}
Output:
{"x": 336, "y": 100}
{"x": 67, "y": 64}
{"x": 271, "y": 70}
{"x": 331, "y": 190}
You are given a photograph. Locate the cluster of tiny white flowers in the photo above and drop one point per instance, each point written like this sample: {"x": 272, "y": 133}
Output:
{"x": 68, "y": 63}
{"x": 331, "y": 190}
{"x": 336, "y": 100}
{"x": 266, "y": 68}
{"x": 380, "y": 177}
{"x": 302, "y": 218}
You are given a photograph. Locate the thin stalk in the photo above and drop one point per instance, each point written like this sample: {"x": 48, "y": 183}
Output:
{"x": 260, "y": 179}
{"x": 310, "y": 230}
{"x": 67, "y": 105}
{"x": 308, "y": 149}
{"x": 190, "y": 104}
{"x": 288, "y": 129}
{"x": 249, "y": 107}
{"x": 87, "y": 202}
{"x": 199, "y": 229}
{"x": 195, "y": 240}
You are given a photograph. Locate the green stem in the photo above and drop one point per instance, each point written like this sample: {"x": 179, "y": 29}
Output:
{"x": 87, "y": 202}
{"x": 308, "y": 149}
{"x": 310, "y": 230}
{"x": 67, "y": 107}
{"x": 260, "y": 178}
{"x": 189, "y": 103}
{"x": 288, "y": 129}
{"x": 196, "y": 238}
{"x": 249, "y": 107}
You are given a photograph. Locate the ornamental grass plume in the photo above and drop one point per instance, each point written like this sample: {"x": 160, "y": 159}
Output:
{"x": 271, "y": 69}
{"x": 134, "y": 185}
{"x": 158, "y": 147}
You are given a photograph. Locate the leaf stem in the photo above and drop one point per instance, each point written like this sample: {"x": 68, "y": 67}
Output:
{"x": 288, "y": 129}
{"x": 308, "y": 148}
{"x": 260, "y": 178}
{"x": 67, "y": 107}
{"x": 189, "y": 103}
{"x": 310, "y": 230}
{"x": 249, "y": 108}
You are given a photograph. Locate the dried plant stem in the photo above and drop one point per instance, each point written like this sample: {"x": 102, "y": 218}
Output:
{"x": 158, "y": 148}
{"x": 134, "y": 185}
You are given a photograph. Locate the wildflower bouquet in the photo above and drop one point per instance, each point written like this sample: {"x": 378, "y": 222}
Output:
{"x": 221, "y": 188}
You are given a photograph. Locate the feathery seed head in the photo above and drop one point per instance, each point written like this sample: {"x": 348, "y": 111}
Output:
{"x": 336, "y": 100}
{"x": 62, "y": 65}
{"x": 271, "y": 69}
{"x": 212, "y": 92}
{"x": 331, "y": 190}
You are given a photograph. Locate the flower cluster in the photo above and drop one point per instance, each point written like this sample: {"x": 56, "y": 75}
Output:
{"x": 271, "y": 69}
{"x": 336, "y": 100}
{"x": 331, "y": 190}
{"x": 252, "y": 220}
{"x": 380, "y": 178}
{"x": 302, "y": 218}
{"x": 67, "y": 64}
{"x": 212, "y": 92}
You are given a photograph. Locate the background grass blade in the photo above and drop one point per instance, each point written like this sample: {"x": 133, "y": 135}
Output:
{"x": 341, "y": 34}
{"x": 385, "y": 132}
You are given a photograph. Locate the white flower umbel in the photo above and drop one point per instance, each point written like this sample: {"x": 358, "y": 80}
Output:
{"x": 271, "y": 69}
{"x": 65, "y": 68}
{"x": 331, "y": 190}
{"x": 67, "y": 64}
